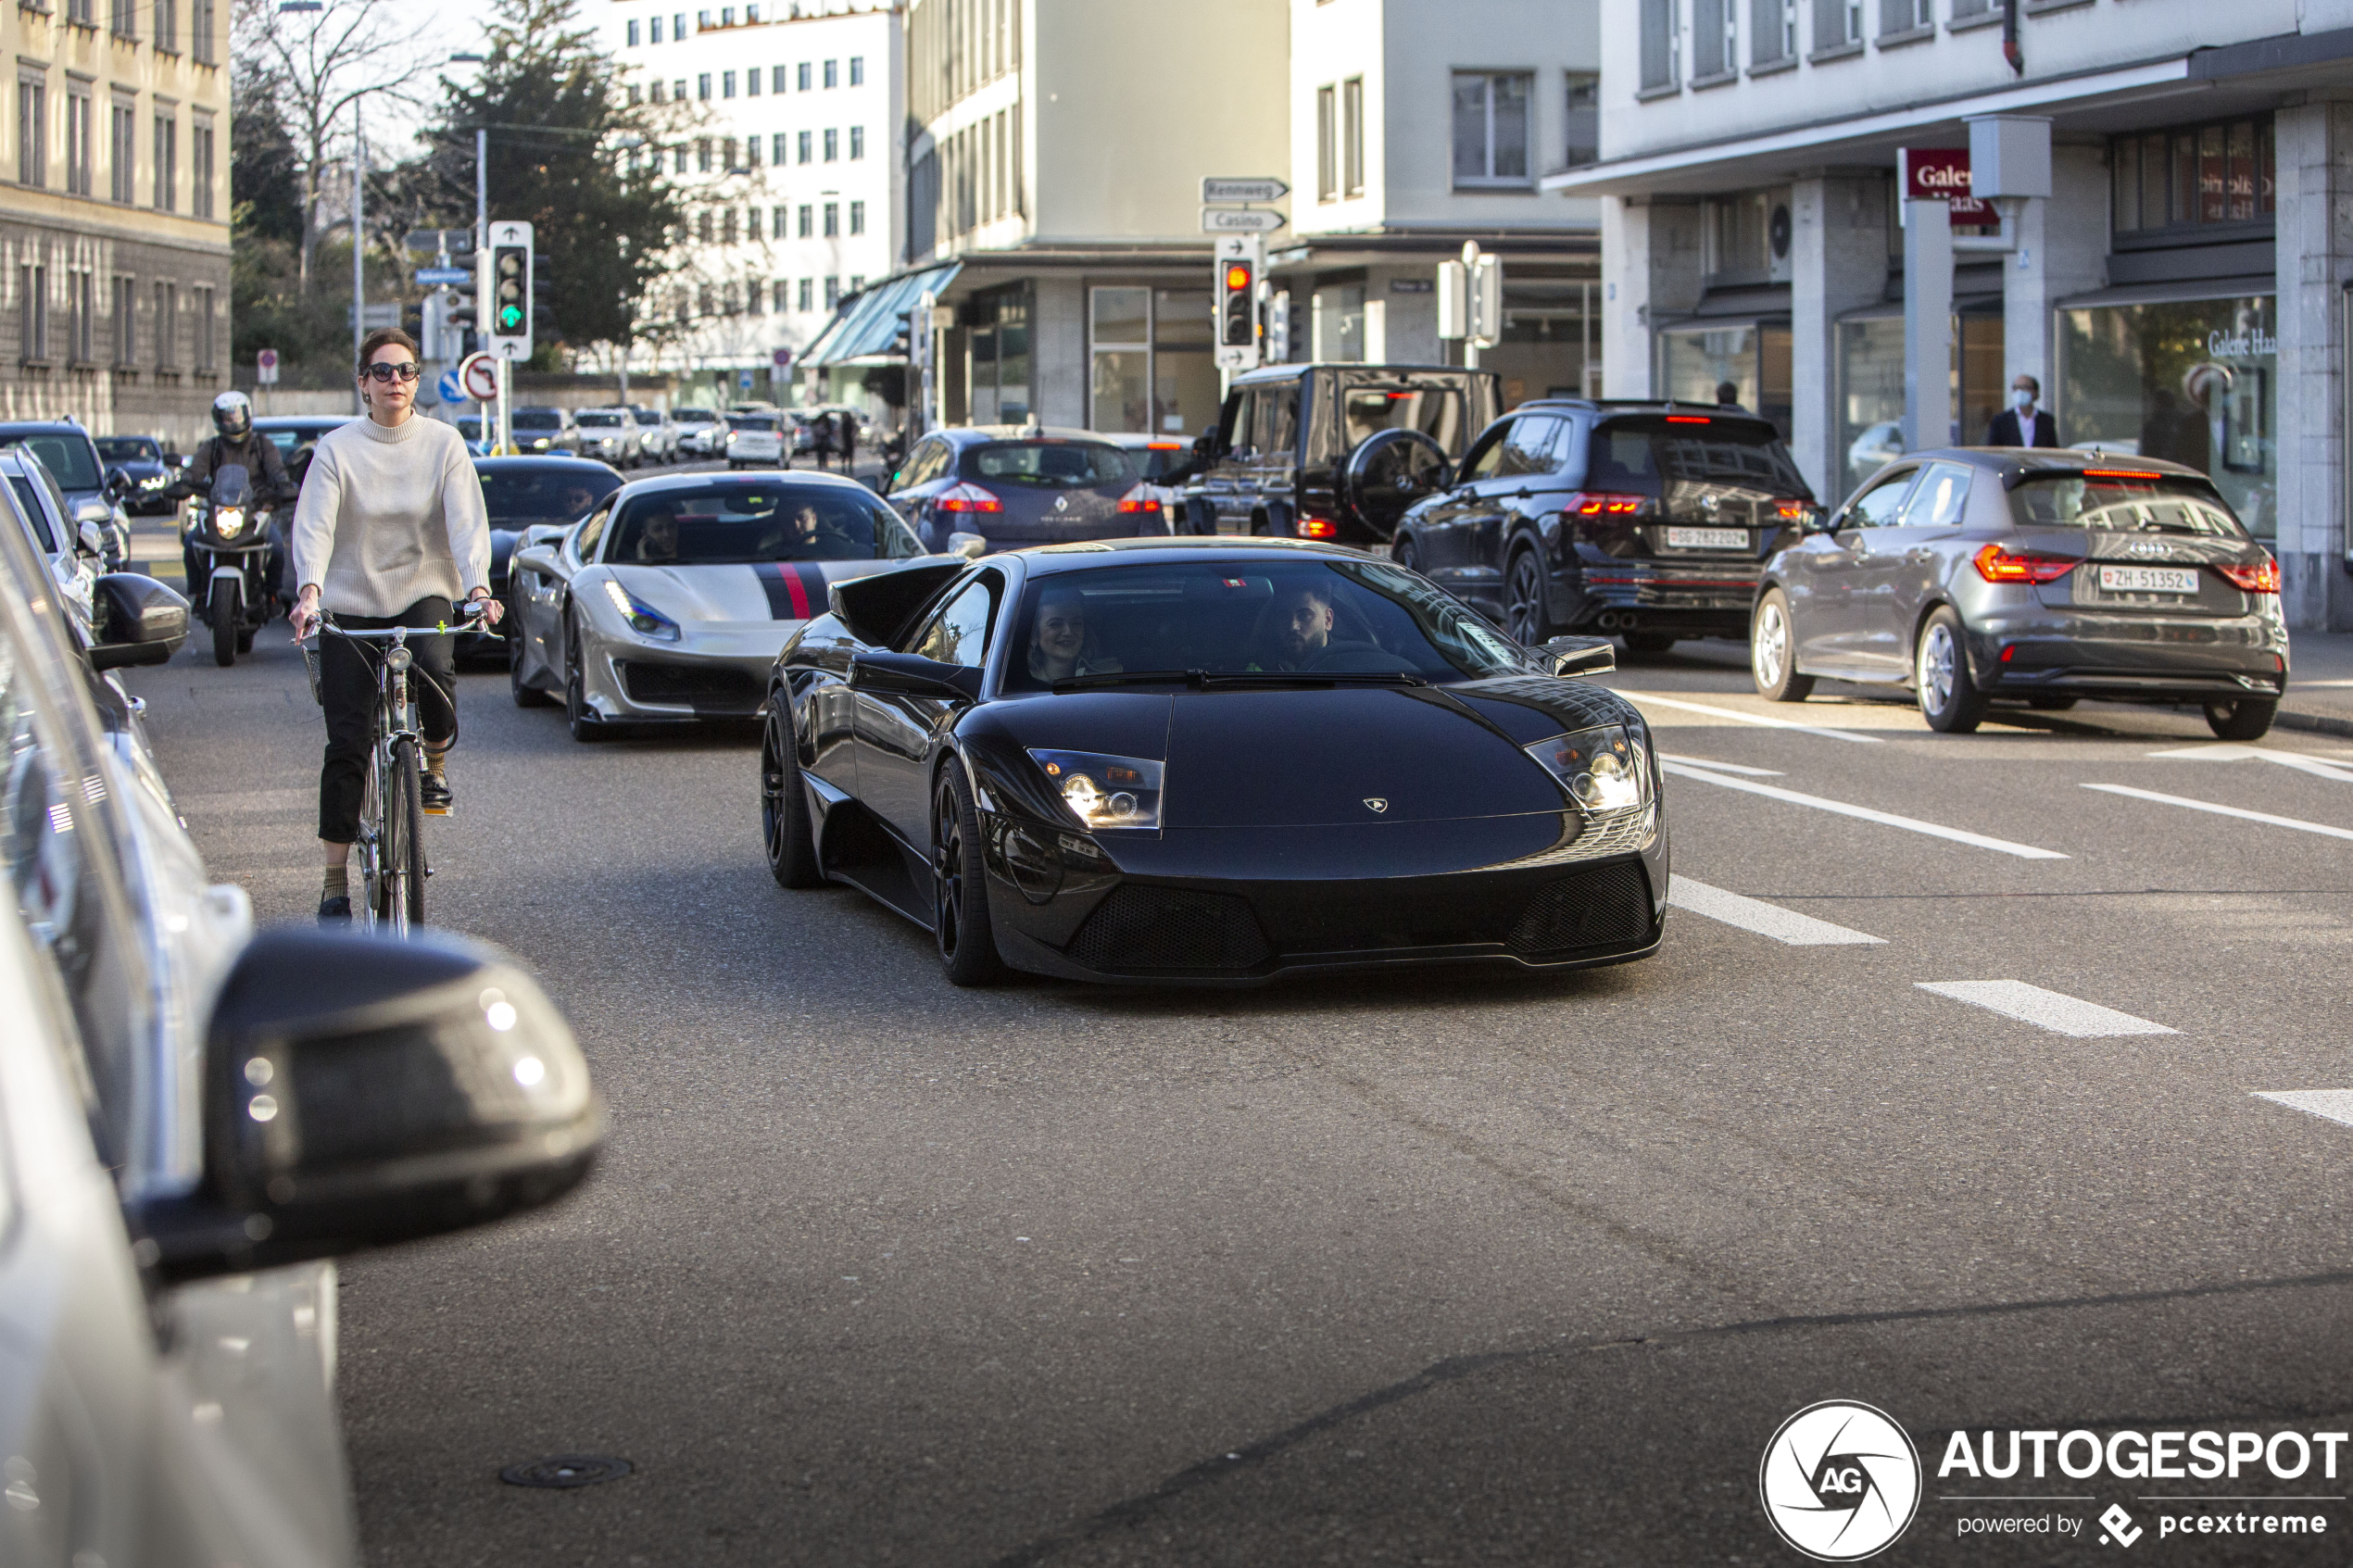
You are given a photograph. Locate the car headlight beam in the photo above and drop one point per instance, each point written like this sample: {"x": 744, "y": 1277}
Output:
{"x": 1102, "y": 791}
{"x": 643, "y": 619}
{"x": 1606, "y": 769}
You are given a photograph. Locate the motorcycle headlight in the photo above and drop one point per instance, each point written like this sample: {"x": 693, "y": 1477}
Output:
{"x": 1603, "y": 770}
{"x": 643, "y": 619}
{"x": 1104, "y": 791}
{"x": 228, "y": 521}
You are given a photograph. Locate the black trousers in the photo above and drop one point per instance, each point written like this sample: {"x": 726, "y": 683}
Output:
{"x": 347, "y": 690}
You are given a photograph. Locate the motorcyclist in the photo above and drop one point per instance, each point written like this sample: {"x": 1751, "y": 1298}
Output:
{"x": 236, "y": 442}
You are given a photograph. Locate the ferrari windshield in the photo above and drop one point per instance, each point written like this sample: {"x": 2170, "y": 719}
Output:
{"x": 738, "y": 524}
{"x": 521, "y": 498}
{"x": 2123, "y": 501}
{"x": 1293, "y": 619}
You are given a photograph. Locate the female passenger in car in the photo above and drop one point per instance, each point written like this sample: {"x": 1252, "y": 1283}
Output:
{"x": 1059, "y": 644}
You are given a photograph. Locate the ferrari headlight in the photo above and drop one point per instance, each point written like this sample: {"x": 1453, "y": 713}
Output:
{"x": 1105, "y": 792}
{"x": 228, "y": 521}
{"x": 642, "y": 618}
{"x": 1603, "y": 770}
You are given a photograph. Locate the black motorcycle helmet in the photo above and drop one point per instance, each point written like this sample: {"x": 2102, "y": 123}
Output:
{"x": 232, "y": 415}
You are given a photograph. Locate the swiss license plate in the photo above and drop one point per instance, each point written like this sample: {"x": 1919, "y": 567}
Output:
{"x": 2148, "y": 580}
{"x": 1707, "y": 538}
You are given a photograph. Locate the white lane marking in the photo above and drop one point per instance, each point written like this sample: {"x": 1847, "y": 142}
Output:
{"x": 1640, "y": 698}
{"x": 2324, "y": 683}
{"x": 1721, "y": 767}
{"x": 1887, "y": 819}
{"x": 2060, "y": 1013}
{"x": 2227, "y": 752}
{"x": 1766, "y": 919}
{"x": 2334, "y": 1104}
{"x": 2264, "y": 817}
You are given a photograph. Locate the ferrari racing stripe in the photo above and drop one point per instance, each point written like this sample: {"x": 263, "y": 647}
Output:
{"x": 792, "y": 588}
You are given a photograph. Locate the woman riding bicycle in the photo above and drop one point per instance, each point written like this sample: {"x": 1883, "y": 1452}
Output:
{"x": 390, "y": 530}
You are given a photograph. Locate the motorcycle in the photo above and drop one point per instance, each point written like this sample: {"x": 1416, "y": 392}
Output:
{"x": 232, "y": 561}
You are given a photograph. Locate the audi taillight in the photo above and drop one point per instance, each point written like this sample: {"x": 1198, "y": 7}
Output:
{"x": 1601, "y": 503}
{"x": 1997, "y": 565}
{"x": 2255, "y": 577}
{"x": 968, "y": 498}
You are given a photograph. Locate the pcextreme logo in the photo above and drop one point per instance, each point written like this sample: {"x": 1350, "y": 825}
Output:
{"x": 1840, "y": 1481}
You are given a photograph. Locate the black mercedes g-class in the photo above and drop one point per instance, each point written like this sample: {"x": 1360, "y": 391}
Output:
{"x": 1334, "y": 451}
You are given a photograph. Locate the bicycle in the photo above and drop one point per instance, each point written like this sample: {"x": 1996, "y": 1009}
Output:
{"x": 391, "y": 843}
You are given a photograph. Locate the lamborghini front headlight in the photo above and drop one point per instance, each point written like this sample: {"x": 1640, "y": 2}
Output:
{"x": 1104, "y": 791}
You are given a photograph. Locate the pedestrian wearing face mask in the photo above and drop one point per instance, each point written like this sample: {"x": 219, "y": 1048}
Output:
{"x": 2023, "y": 424}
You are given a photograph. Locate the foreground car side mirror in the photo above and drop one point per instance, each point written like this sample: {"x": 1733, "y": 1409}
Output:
{"x": 90, "y": 539}
{"x": 910, "y": 674}
{"x": 971, "y": 546}
{"x": 1581, "y": 656}
{"x": 138, "y": 620}
{"x": 359, "y": 1091}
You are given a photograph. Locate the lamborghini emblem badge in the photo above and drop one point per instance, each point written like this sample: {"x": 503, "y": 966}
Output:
{"x": 1376, "y": 803}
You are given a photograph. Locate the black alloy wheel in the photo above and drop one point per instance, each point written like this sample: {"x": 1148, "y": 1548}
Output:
{"x": 784, "y": 803}
{"x": 2245, "y": 717}
{"x": 960, "y": 894}
{"x": 1948, "y": 694}
{"x": 586, "y": 726}
{"x": 1526, "y": 616}
{"x": 526, "y": 695}
{"x": 1772, "y": 651}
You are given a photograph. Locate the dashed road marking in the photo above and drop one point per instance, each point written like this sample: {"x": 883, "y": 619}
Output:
{"x": 2334, "y": 1104}
{"x": 1766, "y": 919}
{"x": 1721, "y": 767}
{"x": 1640, "y": 698}
{"x": 1865, "y": 813}
{"x": 2060, "y": 1013}
{"x": 2220, "y": 810}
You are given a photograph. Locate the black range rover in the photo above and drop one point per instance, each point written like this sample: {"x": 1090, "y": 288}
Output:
{"x": 1335, "y": 452}
{"x": 1649, "y": 521}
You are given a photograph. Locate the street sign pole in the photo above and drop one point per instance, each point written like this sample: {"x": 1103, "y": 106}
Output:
{"x": 506, "y": 407}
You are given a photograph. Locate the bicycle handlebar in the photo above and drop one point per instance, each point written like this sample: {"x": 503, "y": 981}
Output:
{"x": 475, "y": 610}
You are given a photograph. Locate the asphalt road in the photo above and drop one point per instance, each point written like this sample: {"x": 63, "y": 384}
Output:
{"x": 1458, "y": 1268}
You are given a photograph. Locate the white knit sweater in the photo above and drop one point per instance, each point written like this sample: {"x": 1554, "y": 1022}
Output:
{"x": 389, "y": 516}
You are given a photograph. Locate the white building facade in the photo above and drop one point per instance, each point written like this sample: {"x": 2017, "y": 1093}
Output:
{"x": 797, "y": 137}
{"x": 1415, "y": 128}
{"x": 2180, "y": 291}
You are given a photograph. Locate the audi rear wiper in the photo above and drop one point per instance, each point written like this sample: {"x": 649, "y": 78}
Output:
{"x": 1129, "y": 678}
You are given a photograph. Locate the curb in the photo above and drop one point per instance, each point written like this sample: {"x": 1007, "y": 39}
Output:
{"x": 2318, "y": 724}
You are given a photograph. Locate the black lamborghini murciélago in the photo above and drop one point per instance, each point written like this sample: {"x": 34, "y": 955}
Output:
{"x": 1191, "y": 761}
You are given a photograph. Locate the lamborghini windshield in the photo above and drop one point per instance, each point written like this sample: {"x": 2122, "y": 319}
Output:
{"x": 1306, "y": 620}
{"x": 734, "y": 524}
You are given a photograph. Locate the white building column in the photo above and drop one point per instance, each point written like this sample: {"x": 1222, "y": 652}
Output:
{"x": 2315, "y": 192}
{"x": 2055, "y": 259}
{"x": 1928, "y": 324}
{"x": 1838, "y": 262}
{"x": 1650, "y": 272}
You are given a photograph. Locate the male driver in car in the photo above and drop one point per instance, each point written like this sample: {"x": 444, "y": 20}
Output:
{"x": 1303, "y": 625}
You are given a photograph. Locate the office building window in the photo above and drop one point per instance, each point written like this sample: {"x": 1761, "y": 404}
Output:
{"x": 1327, "y": 144}
{"x": 776, "y": 149}
{"x": 126, "y": 321}
{"x": 167, "y": 327}
{"x": 2194, "y": 175}
{"x": 832, "y": 145}
{"x": 1582, "y": 141}
{"x": 206, "y": 359}
{"x": 727, "y": 83}
{"x": 1772, "y": 31}
{"x": 702, "y": 21}
{"x": 702, "y": 154}
{"x": 32, "y": 131}
{"x": 80, "y": 11}
{"x": 1714, "y": 38}
{"x": 200, "y": 31}
{"x": 808, "y": 227}
{"x": 726, "y": 16}
{"x": 833, "y": 293}
{"x": 81, "y": 140}
{"x": 634, "y": 92}
{"x": 706, "y": 300}
{"x": 702, "y": 85}
{"x": 635, "y": 40}
{"x": 857, "y": 282}
{"x": 702, "y": 227}
{"x": 856, "y": 218}
{"x": 1903, "y": 16}
{"x": 753, "y": 296}
{"x": 1971, "y": 8}
{"x": 727, "y": 156}
{"x": 653, "y": 30}
{"x": 752, "y": 223}
{"x": 777, "y": 78}
{"x": 1150, "y": 361}
{"x": 32, "y": 312}
{"x": 122, "y": 19}
{"x": 857, "y": 140}
{"x": 1659, "y": 20}
{"x": 751, "y": 82}
{"x": 776, "y": 222}
{"x": 727, "y": 227}
{"x": 858, "y": 70}
{"x": 807, "y": 301}
{"x": 166, "y": 162}
{"x": 806, "y": 141}
{"x": 833, "y": 74}
{"x": 82, "y": 289}
{"x": 1837, "y": 23}
{"x": 680, "y": 152}
{"x": 833, "y": 220}
{"x": 801, "y": 80}
{"x": 678, "y": 27}
{"x": 783, "y": 293}
{"x": 123, "y": 153}
{"x": 1491, "y": 127}
{"x": 167, "y": 26}
{"x": 1351, "y": 136}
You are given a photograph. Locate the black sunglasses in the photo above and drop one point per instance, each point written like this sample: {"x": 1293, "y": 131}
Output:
{"x": 405, "y": 370}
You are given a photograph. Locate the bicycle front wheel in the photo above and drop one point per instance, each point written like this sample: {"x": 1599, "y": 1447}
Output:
{"x": 404, "y": 844}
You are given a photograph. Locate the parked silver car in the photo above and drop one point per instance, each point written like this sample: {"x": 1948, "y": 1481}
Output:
{"x": 182, "y": 1165}
{"x": 609, "y": 435}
